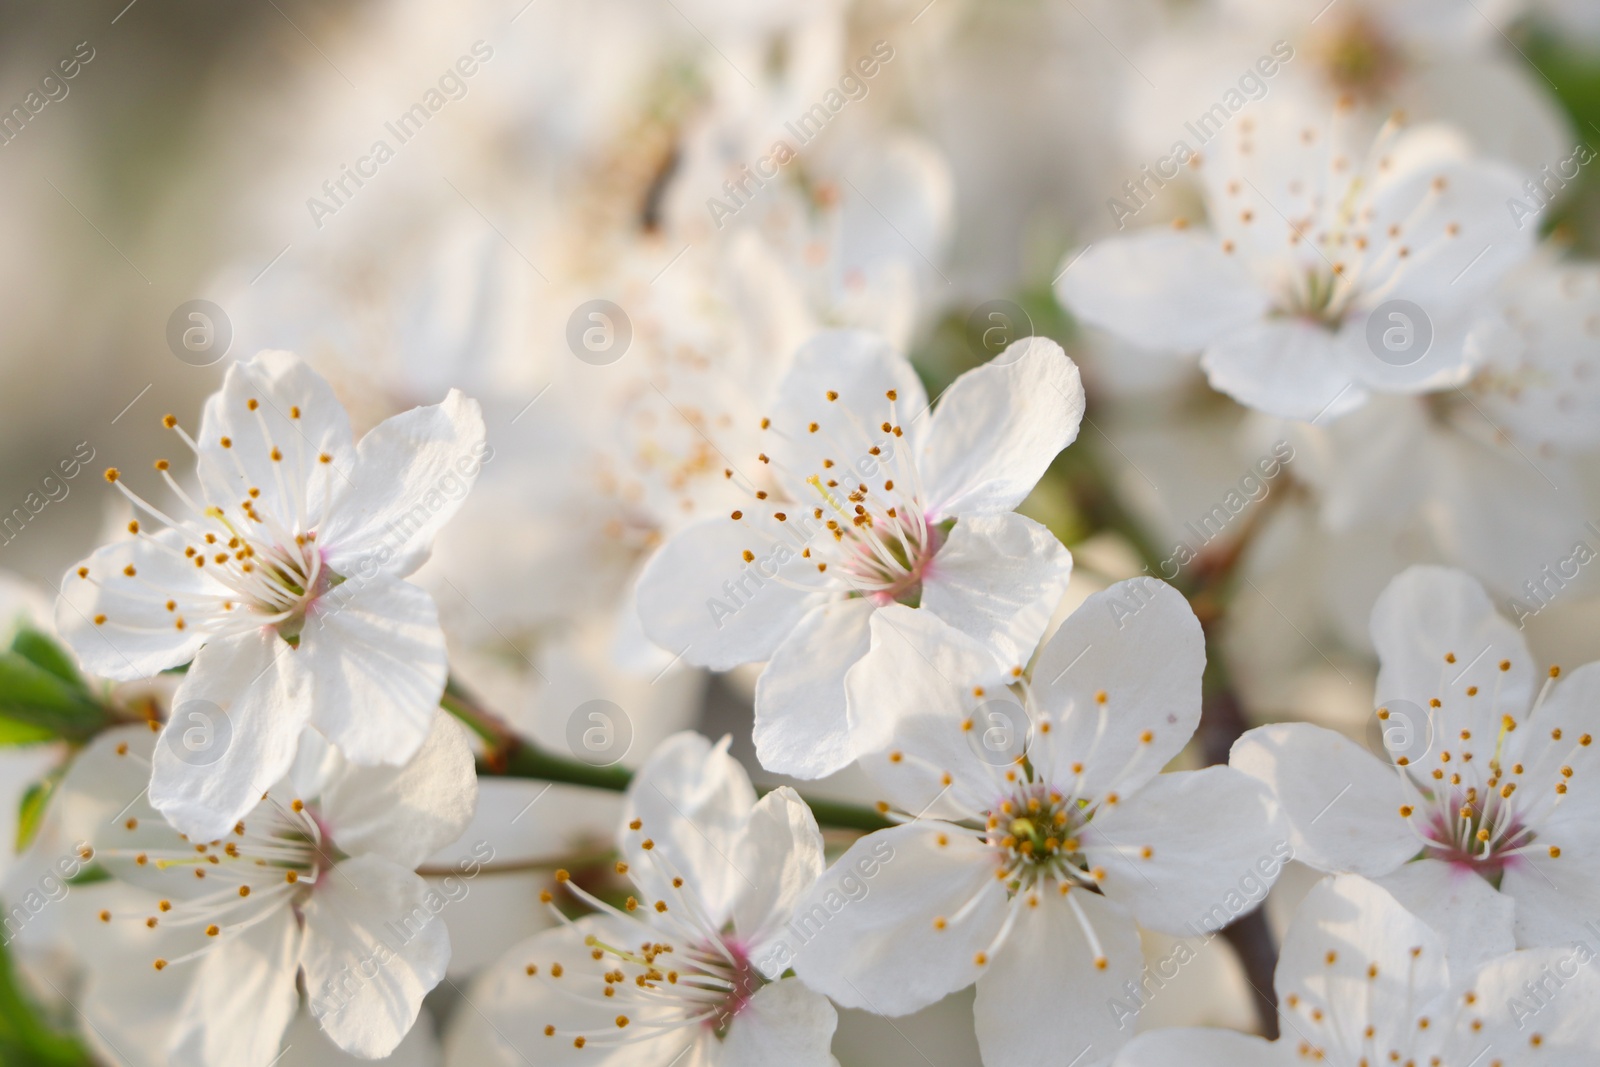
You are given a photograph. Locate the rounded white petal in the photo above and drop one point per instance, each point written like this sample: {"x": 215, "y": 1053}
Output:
{"x": 859, "y": 369}
{"x": 998, "y": 427}
{"x": 1139, "y": 644}
{"x": 998, "y": 578}
{"x": 1472, "y": 916}
{"x": 802, "y": 726}
{"x": 242, "y": 998}
{"x": 405, "y": 813}
{"x": 1190, "y": 850}
{"x": 1044, "y": 999}
{"x": 234, "y": 729}
{"x": 136, "y": 636}
{"x": 782, "y": 846}
{"x": 508, "y": 1008}
{"x": 1341, "y": 804}
{"x": 867, "y": 934}
{"x": 296, "y": 413}
{"x": 1162, "y": 289}
{"x": 1554, "y": 1028}
{"x": 914, "y": 692}
{"x": 1285, "y": 367}
{"x": 784, "y": 1025}
{"x": 374, "y": 947}
{"x": 374, "y": 661}
{"x": 1438, "y": 635}
{"x": 411, "y": 473}
{"x": 700, "y": 599}
{"x": 1353, "y": 958}
{"x": 692, "y": 802}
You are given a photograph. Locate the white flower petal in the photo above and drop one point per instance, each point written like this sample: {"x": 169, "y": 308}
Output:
{"x": 692, "y": 801}
{"x": 859, "y": 368}
{"x": 235, "y": 725}
{"x": 373, "y": 949}
{"x": 802, "y": 726}
{"x": 869, "y": 940}
{"x": 998, "y": 427}
{"x": 510, "y": 1008}
{"x": 1557, "y": 899}
{"x": 1214, "y": 849}
{"x": 1341, "y": 803}
{"x": 241, "y": 999}
{"x": 784, "y": 1025}
{"x": 406, "y": 813}
{"x": 138, "y": 636}
{"x": 412, "y": 471}
{"x": 700, "y": 599}
{"x": 1162, "y": 289}
{"x": 295, "y": 485}
{"x": 1356, "y": 955}
{"x": 1046, "y": 973}
{"x": 998, "y": 578}
{"x": 1474, "y": 919}
{"x": 1138, "y": 643}
{"x": 913, "y": 692}
{"x": 376, "y": 666}
{"x": 782, "y": 846}
{"x": 1285, "y": 367}
{"x": 1554, "y": 1028}
{"x": 1437, "y": 635}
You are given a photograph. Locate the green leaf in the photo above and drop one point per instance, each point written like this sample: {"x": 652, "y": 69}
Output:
{"x": 34, "y": 802}
{"x": 31, "y": 695}
{"x": 43, "y": 651}
{"x": 24, "y": 1039}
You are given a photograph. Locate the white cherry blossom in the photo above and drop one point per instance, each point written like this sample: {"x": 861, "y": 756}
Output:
{"x": 315, "y": 885}
{"x": 1043, "y": 827}
{"x": 1312, "y": 229}
{"x": 1361, "y": 981}
{"x": 862, "y": 499}
{"x": 1485, "y": 808}
{"x": 671, "y": 977}
{"x": 283, "y": 582}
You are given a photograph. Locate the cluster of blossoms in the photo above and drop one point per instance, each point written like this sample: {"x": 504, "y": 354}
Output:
{"x": 731, "y": 641}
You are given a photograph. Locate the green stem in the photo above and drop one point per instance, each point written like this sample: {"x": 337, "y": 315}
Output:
{"x": 511, "y": 756}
